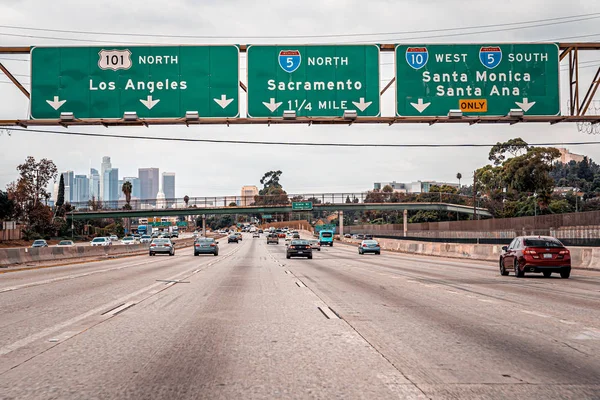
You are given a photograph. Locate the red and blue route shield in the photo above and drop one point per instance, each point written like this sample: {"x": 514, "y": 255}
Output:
{"x": 490, "y": 56}
{"x": 289, "y": 60}
{"x": 417, "y": 57}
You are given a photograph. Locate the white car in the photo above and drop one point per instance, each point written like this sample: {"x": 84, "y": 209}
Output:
{"x": 128, "y": 240}
{"x": 145, "y": 239}
{"x": 101, "y": 241}
{"x": 114, "y": 238}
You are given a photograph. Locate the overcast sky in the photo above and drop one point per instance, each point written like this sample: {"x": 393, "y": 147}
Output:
{"x": 221, "y": 169}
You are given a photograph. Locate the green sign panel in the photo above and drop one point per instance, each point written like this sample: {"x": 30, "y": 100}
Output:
{"x": 153, "y": 81}
{"x": 314, "y": 81}
{"x": 477, "y": 79}
{"x": 182, "y": 223}
{"x": 302, "y": 205}
{"x": 267, "y": 216}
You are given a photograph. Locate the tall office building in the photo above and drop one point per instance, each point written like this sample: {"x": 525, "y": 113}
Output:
{"x": 248, "y": 193}
{"x": 148, "y": 183}
{"x": 94, "y": 184}
{"x": 111, "y": 184}
{"x": 120, "y": 186}
{"x": 168, "y": 185}
{"x": 69, "y": 182}
{"x": 135, "y": 186}
{"x": 103, "y": 167}
{"x": 81, "y": 189}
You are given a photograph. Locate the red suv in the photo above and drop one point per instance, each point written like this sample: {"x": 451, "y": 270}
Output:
{"x": 535, "y": 254}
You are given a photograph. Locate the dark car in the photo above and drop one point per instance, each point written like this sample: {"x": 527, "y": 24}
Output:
{"x": 369, "y": 246}
{"x": 543, "y": 254}
{"x": 260, "y": 231}
{"x": 296, "y": 236}
{"x": 162, "y": 246}
{"x": 233, "y": 239}
{"x": 206, "y": 246}
{"x": 299, "y": 248}
{"x": 272, "y": 238}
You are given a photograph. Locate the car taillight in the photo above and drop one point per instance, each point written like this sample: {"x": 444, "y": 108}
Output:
{"x": 197, "y": 245}
{"x": 152, "y": 245}
{"x": 364, "y": 245}
{"x": 167, "y": 245}
{"x": 564, "y": 252}
{"x": 531, "y": 253}
{"x": 212, "y": 245}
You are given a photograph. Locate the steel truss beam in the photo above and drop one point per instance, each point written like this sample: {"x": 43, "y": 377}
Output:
{"x": 579, "y": 103}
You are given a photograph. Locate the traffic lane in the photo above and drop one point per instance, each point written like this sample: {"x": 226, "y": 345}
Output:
{"x": 568, "y": 297}
{"x": 37, "y": 311}
{"x": 452, "y": 342}
{"x": 241, "y": 328}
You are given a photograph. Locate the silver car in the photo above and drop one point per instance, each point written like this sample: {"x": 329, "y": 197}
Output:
{"x": 162, "y": 246}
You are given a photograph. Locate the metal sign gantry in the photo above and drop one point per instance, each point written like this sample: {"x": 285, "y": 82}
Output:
{"x": 581, "y": 95}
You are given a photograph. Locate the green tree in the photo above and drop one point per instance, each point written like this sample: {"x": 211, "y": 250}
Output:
{"x": 387, "y": 189}
{"x": 126, "y": 189}
{"x": 186, "y": 200}
{"x": 6, "y": 206}
{"x": 35, "y": 177}
{"x": 232, "y": 204}
{"x": 513, "y": 146}
{"x": 272, "y": 192}
{"x": 459, "y": 177}
{"x": 270, "y": 179}
{"x": 60, "y": 198}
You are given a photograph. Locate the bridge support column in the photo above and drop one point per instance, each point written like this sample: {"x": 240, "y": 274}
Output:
{"x": 405, "y": 222}
{"x": 204, "y": 225}
{"x": 341, "y": 223}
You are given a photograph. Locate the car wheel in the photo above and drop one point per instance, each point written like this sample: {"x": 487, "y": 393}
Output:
{"x": 503, "y": 270}
{"x": 309, "y": 257}
{"x": 547, "y": 274}
{"x": 196, "y": 254}
{"x": 172, "y": 254}
{"x": 150, "y": 254}
{"x": 565, "y": 274}
{"x": 288, "y": 256}
{"x": 378, "y": 253}
{"x": 216, "y": 254}
{"x": 518, "y": 272}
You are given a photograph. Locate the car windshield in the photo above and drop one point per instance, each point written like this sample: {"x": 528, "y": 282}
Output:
{"x": 326, "y": 234}
{"x": 542, "y": 242}
{"x": 160, "y": 241}
{"x": 146, "y": 237}
{"x": 100, "y": 239}
{"x": 65, "y": 243}
{"x": 39, "y": 242}
{"x": 206, "y": 240}
{"x": 300, "y": 242}
{"x": 369, "y": 241}
{"x": 128, "y": 238}
{"x": 313, "y": 241}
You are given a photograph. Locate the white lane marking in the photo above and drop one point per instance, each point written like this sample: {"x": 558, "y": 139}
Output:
{"x": 123, "y": 307}
{"x": 288, "y": 272}
{"x": 328, "y": 312}
{"x": 452, "y": 291}
{"x": 537, "y": 314}
{"x": 588, "y": 335}
{"x": 300, "y": 284}
{"x": 486, "y": 301}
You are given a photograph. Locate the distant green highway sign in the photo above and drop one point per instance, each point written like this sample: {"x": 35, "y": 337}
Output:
{"x": 477, "y": 79}
{"x": 153, "y": 81}
{"x": 302, "y": 205}
{"x": 314, "y": 81}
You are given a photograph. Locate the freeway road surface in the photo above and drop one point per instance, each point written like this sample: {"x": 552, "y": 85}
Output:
{"x": 250, "y": 324}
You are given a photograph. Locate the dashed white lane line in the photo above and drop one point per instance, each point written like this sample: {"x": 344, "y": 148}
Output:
{"x": 300, "y": 284}
{"x": 564, "y": 321}
{"x": 537, "y": 314}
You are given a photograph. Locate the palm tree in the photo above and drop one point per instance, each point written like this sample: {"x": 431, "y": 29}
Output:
{"x": 186, "y": 199}
{"x": 458, "y": 176}
{"x": 127, "y": 187}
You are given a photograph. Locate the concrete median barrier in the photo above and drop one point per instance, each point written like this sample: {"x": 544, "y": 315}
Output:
{"x": 18, "y": 256}
{"x": 581, "y": 257}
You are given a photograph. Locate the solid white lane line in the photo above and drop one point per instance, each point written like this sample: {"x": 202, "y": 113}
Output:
{"x": 537, "y": 314}
{"x": 328, "y": 312}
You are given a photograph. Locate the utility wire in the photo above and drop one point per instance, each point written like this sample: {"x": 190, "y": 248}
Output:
{"x": 591, "y": 15}
{"x": 347, "y": 42}
{"x": 310, "y": 144}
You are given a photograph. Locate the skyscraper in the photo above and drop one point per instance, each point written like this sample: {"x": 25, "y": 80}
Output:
{"x": 168, "y": 187}
{"x": 135, "y": 186}
{"x": 103, "y": 167}
{"x": 120, "y": 186}
{"x": 148, "y": 183}
{"x": 94, "y": 184}
{"x": 81, "y": 189}
{"x": 69, "y": 189}
{"x": 111, "y": 184}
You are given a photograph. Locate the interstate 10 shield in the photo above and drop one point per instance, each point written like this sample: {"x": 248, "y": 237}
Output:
{"x": 289, "y": 60}
{"x": 417, "y": 57}
{"x": 490, "y": 57}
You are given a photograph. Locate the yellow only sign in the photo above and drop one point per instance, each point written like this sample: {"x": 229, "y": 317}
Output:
{"x": 473, "y": 105}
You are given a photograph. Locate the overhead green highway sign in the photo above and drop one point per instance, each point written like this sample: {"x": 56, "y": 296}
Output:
{"x": 478, "y": 79}
{"x": 302, "y": 205}
{"x": 313, "y": 81}
{"x": 153, "y": 81}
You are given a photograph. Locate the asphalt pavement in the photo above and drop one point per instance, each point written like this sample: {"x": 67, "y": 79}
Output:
{"x": 251, "y": 324}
